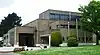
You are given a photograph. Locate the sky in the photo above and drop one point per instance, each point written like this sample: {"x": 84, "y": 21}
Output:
{"x": 29, "y": 10}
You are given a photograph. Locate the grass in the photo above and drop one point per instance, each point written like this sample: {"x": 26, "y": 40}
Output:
{"x": 84, "y": 50}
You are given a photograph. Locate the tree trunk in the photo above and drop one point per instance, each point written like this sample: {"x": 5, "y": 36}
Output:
{"x": 97, "y": 38}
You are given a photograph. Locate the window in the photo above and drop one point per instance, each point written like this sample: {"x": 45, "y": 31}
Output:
{"x": 81, "y": 39}
{"x": 74, "y": 17}
{"x": 66, "y": 26}
{"x": 88, "y": 39}
{"x": 58, "y": 16}
{"x": 72, "y": 26}
{"x": 52, "y": 16}
{"x": 62, "y": 26}
{"x": 64, "y": 17}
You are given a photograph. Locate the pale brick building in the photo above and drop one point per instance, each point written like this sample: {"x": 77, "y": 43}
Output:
{"x": 38, "y": 31}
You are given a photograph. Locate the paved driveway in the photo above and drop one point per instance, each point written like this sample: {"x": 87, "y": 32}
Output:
{"x": 11, "y": 53}
{"x": 6, "y": 53}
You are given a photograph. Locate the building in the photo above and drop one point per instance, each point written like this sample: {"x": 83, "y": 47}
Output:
{"x": 59, "y": 15}
{"x": 22, "y": 36}
{"x": 49, "y": 21}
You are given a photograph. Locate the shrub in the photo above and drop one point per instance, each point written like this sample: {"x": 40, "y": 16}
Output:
{"x": 72, "y": 41}
{"x": 56, "y": 38}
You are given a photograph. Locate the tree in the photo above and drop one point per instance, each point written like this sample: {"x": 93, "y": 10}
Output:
{"x": 9, "y": 22}
{"x": 56, "y": 38}
{"x": 91, "y": 18}
{"x": 72, "y": 40}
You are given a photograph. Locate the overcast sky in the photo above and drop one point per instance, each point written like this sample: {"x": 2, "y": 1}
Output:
{"x": 29, "y": 9}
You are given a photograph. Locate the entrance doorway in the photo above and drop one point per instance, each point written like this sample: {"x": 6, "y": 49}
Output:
{"x": 45, "y": 39}
{"x": 26, "y": 39}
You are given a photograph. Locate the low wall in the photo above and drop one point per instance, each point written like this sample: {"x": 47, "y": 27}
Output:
{"x": 65, "y": 44}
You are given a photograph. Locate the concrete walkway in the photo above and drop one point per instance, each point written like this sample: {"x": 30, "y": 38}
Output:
{"x": 11, "y": 49}
{"x": 10, "y": 53}
{"x": 6, "y": 49}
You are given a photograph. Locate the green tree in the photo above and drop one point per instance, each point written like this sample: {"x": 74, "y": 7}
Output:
{"x": 56, "y": 38}
{"x": 91, "y": 18}
{"x": 9, "y": 22}
{"x": 72, "y": 40}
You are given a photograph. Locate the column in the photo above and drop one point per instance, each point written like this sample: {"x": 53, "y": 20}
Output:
{"x": 68, "y": 30}
{"x": 77, "y": 29}
{"x": 49, "y": 40}
{"x": 15, "y": 37}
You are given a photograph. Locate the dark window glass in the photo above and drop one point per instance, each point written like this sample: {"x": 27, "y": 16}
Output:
{"x": 64, "y": 17}
{"x": 74, "y": 17}
{"x": 61, "y": 26}
{"x": 66, "y": 26}
{"x": 61, "y": 16}
{"x": 74, "y": 26}
{"x": 58, "y": 16}
{"x": 82, "y": 39}
{"x": 52, "y": 16}
{"x": 55, "y": 16}
{"x": 78, "y": 17}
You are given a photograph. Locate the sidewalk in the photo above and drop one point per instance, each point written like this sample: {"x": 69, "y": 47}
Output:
{"x": 6, "y": 49}
{"x": 10, "y": 53}
{"x": 11, "y": 49}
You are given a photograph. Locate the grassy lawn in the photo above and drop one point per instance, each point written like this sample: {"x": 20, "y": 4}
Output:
{"x": 85, "y": 50}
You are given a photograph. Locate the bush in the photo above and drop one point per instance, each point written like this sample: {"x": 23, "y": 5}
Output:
{"x": 72, "y": 41}
{"x": 56, "y": 38}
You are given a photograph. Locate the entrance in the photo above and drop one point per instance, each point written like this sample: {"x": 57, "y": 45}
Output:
{"x": 26, "y": 39}
{"x": 45, "y": 39}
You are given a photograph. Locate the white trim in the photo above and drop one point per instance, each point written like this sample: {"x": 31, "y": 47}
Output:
{"x": 44, "y": 35}
{"x": 87, "y": 44}
{"x": 49, "y": 40}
